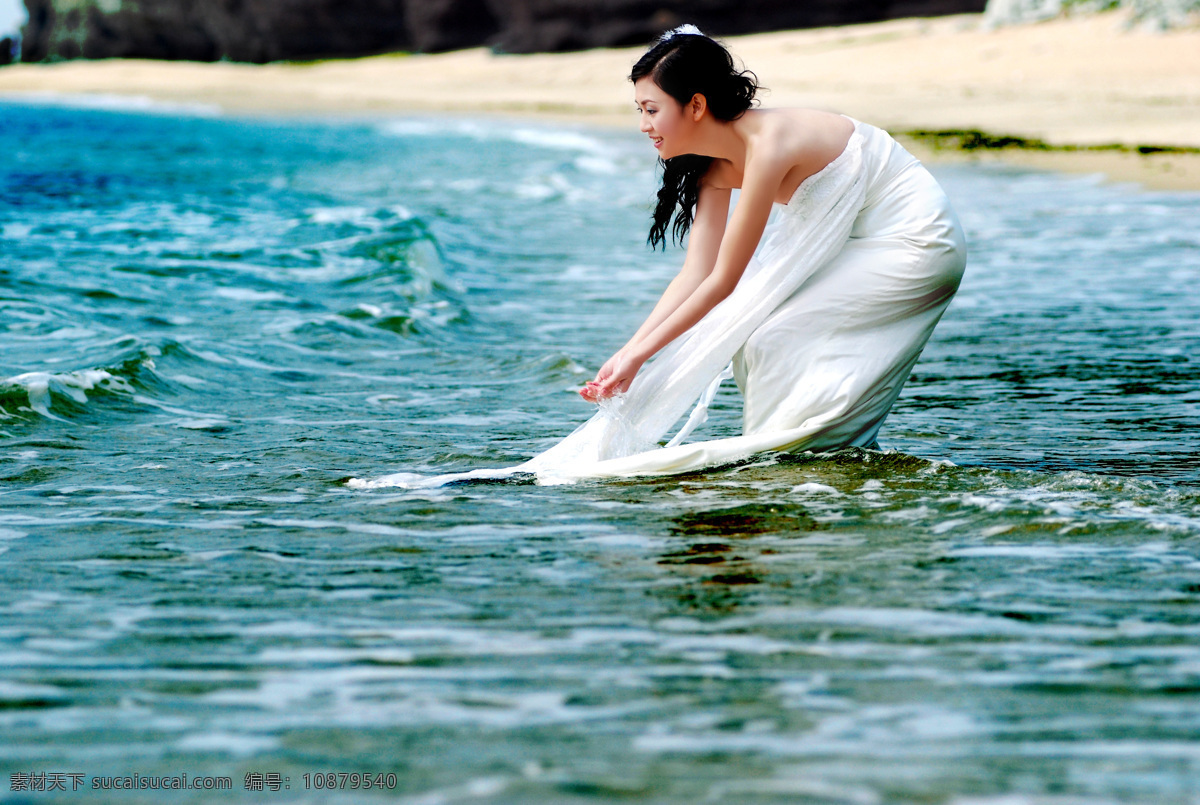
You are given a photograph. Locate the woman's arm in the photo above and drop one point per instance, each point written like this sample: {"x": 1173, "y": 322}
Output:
{"x": 760, "y": 184}
{"x": 704, "y": 240}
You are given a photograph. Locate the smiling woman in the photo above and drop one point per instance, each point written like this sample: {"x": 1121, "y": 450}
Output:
{"x": 821, "y": 316}
{"x": 681, "y": 71}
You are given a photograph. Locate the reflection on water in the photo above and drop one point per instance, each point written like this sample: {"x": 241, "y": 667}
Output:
{"x": 208, "y": 325}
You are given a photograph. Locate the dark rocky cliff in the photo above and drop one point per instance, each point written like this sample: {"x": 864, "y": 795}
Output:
{"x": 271, "y": 30}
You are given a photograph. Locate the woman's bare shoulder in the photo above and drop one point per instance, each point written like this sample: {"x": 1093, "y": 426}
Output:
{"x": 793, "y": 144}
{"x": 802, "y": 129}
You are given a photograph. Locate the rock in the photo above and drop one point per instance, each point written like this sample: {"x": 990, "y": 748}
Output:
{"x": 272, "y": 30}
{"x": 238, "y": 30}
{"x": 439, "y": 25}
{"x": 529, "y": 26}
{"x": 1153, "y": 14}
{"x": 1163, "y": 14}
{"x": 1014, "y": 12}
{"x": 6, "y": 50}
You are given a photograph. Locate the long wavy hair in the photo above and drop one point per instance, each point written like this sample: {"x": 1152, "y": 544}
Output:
{"x": 683, "y": 65}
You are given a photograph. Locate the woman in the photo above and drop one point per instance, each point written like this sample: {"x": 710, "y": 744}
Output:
{"x": 823, "y": 317}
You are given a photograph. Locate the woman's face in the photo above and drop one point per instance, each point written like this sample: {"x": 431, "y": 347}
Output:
{"x": 662, "y": 118}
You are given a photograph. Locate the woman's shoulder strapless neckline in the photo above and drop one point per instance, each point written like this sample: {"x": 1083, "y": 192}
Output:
{"x": 804, "y": 189}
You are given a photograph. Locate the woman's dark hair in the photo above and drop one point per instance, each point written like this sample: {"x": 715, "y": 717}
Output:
{"x": 684, "y": 65}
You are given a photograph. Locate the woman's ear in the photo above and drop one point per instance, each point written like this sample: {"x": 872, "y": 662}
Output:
{"x": 697, "y": 106}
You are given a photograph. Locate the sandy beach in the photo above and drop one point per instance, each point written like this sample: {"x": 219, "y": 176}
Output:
{"x": 1085, "y": 94}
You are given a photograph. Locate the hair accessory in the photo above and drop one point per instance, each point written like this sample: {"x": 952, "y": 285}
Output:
{"x": 682, "y": 29}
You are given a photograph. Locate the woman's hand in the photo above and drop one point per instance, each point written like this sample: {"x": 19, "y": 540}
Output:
{"x": 614, "y": 376}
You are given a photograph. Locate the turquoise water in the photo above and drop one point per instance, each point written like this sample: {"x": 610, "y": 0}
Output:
{"x": 207, "y": 325}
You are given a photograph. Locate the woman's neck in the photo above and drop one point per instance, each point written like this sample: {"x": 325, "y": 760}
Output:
{"x": 726, "y": 139}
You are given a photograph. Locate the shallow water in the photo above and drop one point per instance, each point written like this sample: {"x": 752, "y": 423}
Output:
{"x": 209, "y": 324}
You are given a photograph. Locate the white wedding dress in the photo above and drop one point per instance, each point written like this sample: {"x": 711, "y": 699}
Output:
{"x": 820, "y": 333}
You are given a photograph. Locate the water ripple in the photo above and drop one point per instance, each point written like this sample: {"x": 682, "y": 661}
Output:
{"x": 209, "y": 324}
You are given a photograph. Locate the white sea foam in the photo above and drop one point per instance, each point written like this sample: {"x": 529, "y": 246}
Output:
{"x": 285, "y": 628}
{"x": 1053, "y": 552}
{"x": 720, "y": 644}
{"x": 478, "y": 788}
{"x": 69, "y": 333}
{"x": 561, "y": 140}
{"x": 201, "y": 423}
{"x": 16, "y": 231}
{"x": 17, "y": 691}
{"x": 793, "y": 787}
{"x": 193, "y": 420}
{"x": 249, "y": 295}
{"x": 555, "y": 139}
{"x": 596, "y": 165}
{"x": 110, "y": 102}
{"x": 40, "y": 385}
{"x": 1021, "y": 799}
{"x": 228, "y": 743}
{"x": 378, "y": 529}
{"x": 330, "y": 655}
{"x": 948, "y": 525}
{"x": 187, "y": 380}
{"x": 413, "y": 480}
{"x": 339, "y": 215}
{"x": 813, "y": 488}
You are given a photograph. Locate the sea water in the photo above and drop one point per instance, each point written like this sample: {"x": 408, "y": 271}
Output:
{"x": 209, "y": 324}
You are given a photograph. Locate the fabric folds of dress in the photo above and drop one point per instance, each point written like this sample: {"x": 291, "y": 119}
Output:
{"x": 822, "y": 330}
